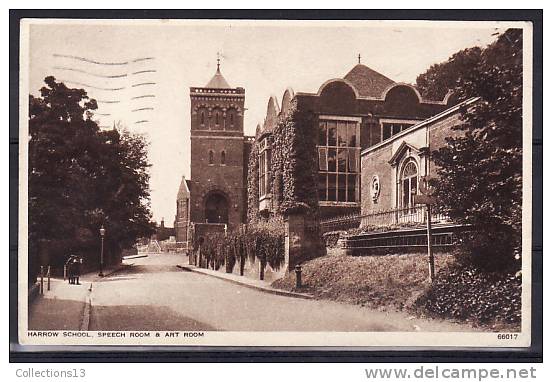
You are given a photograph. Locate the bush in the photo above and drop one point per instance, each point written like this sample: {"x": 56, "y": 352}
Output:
{"x": 473, "y": 295}
{"x": 263, "y": 241}
{"x": 331, "y": 238}
{"x": 266, "y": 242}
{"x": 490, "y": 249}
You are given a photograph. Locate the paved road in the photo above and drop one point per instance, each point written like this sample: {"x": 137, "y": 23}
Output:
{"x": 154, "y": 294}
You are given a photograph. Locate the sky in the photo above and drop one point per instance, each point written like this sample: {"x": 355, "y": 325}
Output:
{"x": 120, "y": 62}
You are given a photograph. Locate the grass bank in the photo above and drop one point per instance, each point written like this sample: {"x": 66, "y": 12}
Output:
{"x": 400, "y": 283}
{"x": 379, "y": 282}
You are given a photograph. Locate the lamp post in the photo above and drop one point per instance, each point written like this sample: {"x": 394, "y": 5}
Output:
{"x": 102, "y": 234}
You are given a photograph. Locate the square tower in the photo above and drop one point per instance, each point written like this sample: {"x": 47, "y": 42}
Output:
{"x": 217, "y": 153}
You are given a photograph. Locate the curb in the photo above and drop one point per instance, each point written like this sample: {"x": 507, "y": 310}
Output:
{"x": 134, "y": 257}
{"x": 85, "y": 323}
{"x": 279, "y": 292}
{"x": 33, "y": 293}
{"x": 108, "y": 273}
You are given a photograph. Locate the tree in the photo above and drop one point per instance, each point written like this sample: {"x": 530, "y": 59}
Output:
{"x": 480, "y": 172}
{"x": 80, "y": 178}
{"x": 435, "y": 83}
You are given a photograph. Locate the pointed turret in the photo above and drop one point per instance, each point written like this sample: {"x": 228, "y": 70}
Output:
{"x": 218, "y": 81}
{"x": 183, "y": 190}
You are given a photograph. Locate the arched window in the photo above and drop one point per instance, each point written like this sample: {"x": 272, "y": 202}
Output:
{"x": 223, "y": 157}
{"x": 202, "y": 118}
{"x": 217, "y": 119}
{"x": 231, "y": 119}
{"x": 409, "y": 184}
{"x": 211, "y": 157}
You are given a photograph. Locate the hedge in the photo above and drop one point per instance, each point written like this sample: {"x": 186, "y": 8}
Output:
{"x": 264, "y": 242}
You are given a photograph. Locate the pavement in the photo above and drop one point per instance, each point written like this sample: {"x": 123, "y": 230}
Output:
{"x": 152, "y": 293}
{"x": 65, "y": 306}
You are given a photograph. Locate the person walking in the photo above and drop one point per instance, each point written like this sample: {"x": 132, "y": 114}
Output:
{"x": 77, "y": 269}
{"x": 69, "y": 265}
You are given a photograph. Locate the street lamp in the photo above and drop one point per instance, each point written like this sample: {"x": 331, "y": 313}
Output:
{"x": 102, "y": 234}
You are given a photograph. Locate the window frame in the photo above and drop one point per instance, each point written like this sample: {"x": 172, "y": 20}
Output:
{"x": 342, "y": 158}
{"x": 402, "y": 178}
{"x": 264, "y": 168}
{"x": 396, "y": 121}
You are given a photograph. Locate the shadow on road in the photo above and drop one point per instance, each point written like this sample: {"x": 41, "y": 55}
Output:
{"x": 142, "y": 317}
{"x": 55, "y": 314}
{"x": 147, "y": 268}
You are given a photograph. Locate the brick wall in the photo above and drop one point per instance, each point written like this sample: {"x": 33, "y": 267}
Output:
{"x": 225, "y": 179}
{"x": 377, "y": 163}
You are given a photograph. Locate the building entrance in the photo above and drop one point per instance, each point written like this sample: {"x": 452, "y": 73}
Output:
{"x": 216, "y": 209}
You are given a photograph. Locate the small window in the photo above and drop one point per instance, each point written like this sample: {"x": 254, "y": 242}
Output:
{"x": 202, "y": 118}
{"x": 232, "y": 119}
{"x": 211, "y": 157}
{"x": 264, "y": 168}
{"x": 223, "y": 157}
{"x": 217, "y": 119}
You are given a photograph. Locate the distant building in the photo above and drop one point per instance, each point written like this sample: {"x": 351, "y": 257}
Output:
{"x": 163, "y": 233}
{"x": 182, "y": 218}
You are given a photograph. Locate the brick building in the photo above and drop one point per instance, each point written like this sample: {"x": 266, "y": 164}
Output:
{"x": 371, "y": 140}
{"x": 214, "y": 196}
{"x": 182, "y": 218}
{"x": 392, "y": 170}
{"x": 351, "y": 114}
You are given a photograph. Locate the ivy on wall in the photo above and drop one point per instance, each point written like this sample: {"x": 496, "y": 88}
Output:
{"x": 253, "y": 184}
{"x": 293, "y": 172}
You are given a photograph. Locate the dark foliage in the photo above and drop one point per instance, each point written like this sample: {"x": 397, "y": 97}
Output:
{"x": 293, "y": 166}
{"x": 436, "y": 82}
{"x": 469, "y": 294}
{"x": 331, "y": 238}
{"x": 80, "y": 178}
{"x": 263, "y": 242}
{"x": 480, "y": 171}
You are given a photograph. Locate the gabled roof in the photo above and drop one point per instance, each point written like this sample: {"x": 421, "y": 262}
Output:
{"x": 368, "y": 82}
{"x": 183, "y": 190}
{"x": 218, "y": 81}
{"x": 403, "y": 148}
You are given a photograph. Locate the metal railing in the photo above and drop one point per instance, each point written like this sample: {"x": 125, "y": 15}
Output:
{"x": 414, "y": 214}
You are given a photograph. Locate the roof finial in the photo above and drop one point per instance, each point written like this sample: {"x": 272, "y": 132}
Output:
{"x": 218, "y": 61}
{"x": 359, "y": 58}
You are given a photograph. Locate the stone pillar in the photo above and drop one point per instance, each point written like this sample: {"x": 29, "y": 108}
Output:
{"x": 295, "y": 239}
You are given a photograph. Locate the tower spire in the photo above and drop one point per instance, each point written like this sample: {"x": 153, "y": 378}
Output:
{"x": 359, "y": 58}
{"x": 218, "y": 61}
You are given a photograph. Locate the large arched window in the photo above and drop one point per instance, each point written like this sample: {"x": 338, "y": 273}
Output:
{"x": 409, "y": 184}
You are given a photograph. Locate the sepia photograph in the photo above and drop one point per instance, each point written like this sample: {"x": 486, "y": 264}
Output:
{"x": 221, "y": 182}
